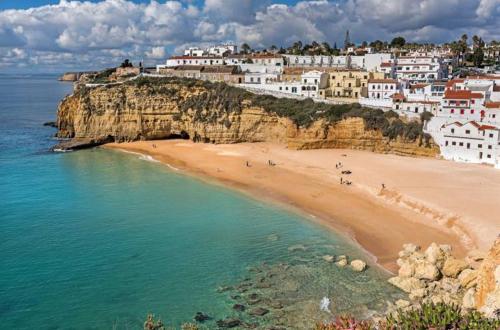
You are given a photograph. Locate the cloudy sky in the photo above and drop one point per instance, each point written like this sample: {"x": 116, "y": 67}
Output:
{"x": 59, "y": 35}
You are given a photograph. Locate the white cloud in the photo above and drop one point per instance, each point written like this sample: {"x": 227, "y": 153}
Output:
{"x": 88, "y": 35}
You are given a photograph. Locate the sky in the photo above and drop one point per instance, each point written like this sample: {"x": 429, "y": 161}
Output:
{"x": 65, "y": 35}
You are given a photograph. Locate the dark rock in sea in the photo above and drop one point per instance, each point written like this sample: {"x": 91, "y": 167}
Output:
{"x": 253, "y": 301}
{"x": 259, "y": 311}
{"x": 262, "y": 285}
{"x": 201, "y": 317}
{"x": 77, "y": 144}
{"x": 235, "y": 297}
{"x": 276, "y": 304}
{"x": 228, "y": 323}
{"x": 50, "y": 124}
{"x": 239, "y": 307}
{"x": 253, "y": 296}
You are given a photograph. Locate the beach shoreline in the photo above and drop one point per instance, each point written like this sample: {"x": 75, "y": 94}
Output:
{"x": 379, "y": 220}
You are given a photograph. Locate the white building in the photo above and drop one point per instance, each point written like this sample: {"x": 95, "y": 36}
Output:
{"x": 194, "y": 51}
{"x": 267, "y": 59}
{"x": 471, "y": 142}
{"x": 415, "y": 69}
{"x": 373, "y": 62}
{"x": 308, "y": 86}
{"x": 433, "y": 92}
{"x": 381, "y": 92}
{"x": 221, "y": 50}
{"x": 193, "y": 60}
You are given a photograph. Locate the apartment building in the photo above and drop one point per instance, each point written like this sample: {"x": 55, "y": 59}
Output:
{"x": 420, "y": 69}
{"x": 349, "y": 85}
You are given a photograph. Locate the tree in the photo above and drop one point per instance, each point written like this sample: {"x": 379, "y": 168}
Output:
{"x": 478, "y": 56}
{"x": 398, "y": 42}
{"x": 364, "y": 44}
{"x": 126, "y": 64}
{"x": 326, "y": 49}
{"x": 245, "y": 48}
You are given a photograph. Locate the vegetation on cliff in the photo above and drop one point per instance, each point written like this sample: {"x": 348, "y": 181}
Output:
{"x": 219, "y": 99}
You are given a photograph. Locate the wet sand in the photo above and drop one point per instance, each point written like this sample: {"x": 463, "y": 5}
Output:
{"x": 424, "y": 200}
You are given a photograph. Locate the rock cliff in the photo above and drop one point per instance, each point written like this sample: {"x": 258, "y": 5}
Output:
{"x": 141, "y": 111}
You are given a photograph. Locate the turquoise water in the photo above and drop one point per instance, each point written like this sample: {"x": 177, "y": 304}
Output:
{"x": 97, "y": 239}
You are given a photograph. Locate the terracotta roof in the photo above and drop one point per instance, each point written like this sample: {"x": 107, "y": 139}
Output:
{"x": 189, "y": 68}
{"x": 257, "y": 56}
{"x": 492, "y": 105}
{"x": 453, "y": 82}
{"x": 496, "y": 88}
{"x": 383, "y": 81}
{"x": 398, "y": 96}
{"x": 485, "y": 77}
{"x": 385, "y": 64}
{"x": 461, "y": 95}
{"x": 220, "y": 69}
{"x": 485, "y": 127}
{"x": 418, "y": 86}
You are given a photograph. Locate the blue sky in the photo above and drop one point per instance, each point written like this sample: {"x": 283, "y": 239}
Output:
{"x": 76, "y": 35}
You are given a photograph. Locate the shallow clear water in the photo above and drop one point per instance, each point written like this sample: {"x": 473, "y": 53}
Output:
{"x": 98, "y": 238}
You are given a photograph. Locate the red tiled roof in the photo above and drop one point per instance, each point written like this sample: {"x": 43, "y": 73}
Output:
{"x": 264, "y": 56}
{"x": 398, "y": 96}
{"x": 453, "y": 82}
{"x": 485, "y": 127}
{"x": 382, "y": 81}
{"x": 492, "y": 105}
{"x": 496, "y": 88}
{"x": 385, "y": 65}
{"x": 418, "y": 86}
{"x": 461, "y": 95}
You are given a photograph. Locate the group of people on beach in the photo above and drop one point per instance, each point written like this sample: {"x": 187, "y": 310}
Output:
{"x": 154, "y": 146}
{"x": 269, "y": 162}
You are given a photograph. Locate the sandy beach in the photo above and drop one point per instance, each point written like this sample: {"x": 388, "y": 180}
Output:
{"x": 424, "y": 200}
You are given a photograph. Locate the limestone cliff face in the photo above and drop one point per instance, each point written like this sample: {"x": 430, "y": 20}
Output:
{"x": 488, "y": 288}
{"x": 130, "y": 112}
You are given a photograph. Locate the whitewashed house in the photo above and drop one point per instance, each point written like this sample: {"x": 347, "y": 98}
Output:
{"x": 380, "y": 93}
{"x": 471, "y": 142}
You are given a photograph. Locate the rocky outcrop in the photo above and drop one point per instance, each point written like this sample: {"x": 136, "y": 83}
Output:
{"x": 487, "y": 298}
{"x": 435, "y": 275}
{"x": 129, "y": 112}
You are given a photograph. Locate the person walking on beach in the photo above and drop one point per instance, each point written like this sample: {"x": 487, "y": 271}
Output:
{"x": 383, "y": 186}
{"x": 341, "y": 181}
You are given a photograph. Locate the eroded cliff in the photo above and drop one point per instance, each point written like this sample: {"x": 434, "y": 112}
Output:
{"x": 215, "y": 113}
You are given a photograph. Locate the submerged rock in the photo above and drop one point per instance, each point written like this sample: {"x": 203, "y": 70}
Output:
{"x": 341, "y": 261}
{"x": 328, "y": 258}
{"x": 229, "y": 323}
{"x": 201, "y": 317}
{"x": 259, "y": 311}
{"x": 239, "y": 307}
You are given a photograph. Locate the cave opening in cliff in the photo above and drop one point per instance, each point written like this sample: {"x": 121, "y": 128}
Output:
{"x": 183, "y": 135}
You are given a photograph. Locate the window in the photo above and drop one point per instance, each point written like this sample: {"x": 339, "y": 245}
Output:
{"x": 453, "y": 143}
{"x": 467, "y": 131}
{"x": 491, "y": 135}
{"x": 305, "y": 80}
{"x": 489, "y": 156}
{"x": 446, "y": 143}
{"x": 473, "y": 101}
{"x": 479, "y": 145}
{"x": 281, "y": 88}
{"x": 461, "y": 144}
{"x": 489, "y": 147}
{"x": 472, "y": 112}
{"x": 452, "y": 110}
{"x": 468, "y": 145}
{"x": 462, "y": 111}
{"x": 453, "y": 130}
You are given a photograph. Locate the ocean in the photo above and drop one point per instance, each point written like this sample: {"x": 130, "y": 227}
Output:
{"x": 97, "y": 239}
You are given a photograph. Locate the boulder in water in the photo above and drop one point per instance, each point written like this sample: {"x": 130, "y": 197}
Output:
{"x": 358, "y": 265}
{"x": 239, "y": 307}
{"x": 229, "y": 323}
{"x": 259, "y": 311}
{"x": 201, "y": 317}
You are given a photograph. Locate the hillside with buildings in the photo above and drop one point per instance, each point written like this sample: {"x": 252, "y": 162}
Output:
{"x": 151, "y": 108}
